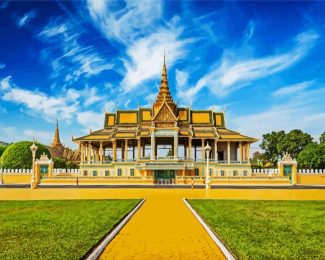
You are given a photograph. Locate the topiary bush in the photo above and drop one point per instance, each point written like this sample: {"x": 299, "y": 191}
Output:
{"x": 19, "y": 155}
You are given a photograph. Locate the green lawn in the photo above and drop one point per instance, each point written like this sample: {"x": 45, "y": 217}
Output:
{"x": 56, "y": 229}
{"x": 267, "y": 229}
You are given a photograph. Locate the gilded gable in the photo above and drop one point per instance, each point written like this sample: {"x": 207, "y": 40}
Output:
{"x": 164, "y": 114}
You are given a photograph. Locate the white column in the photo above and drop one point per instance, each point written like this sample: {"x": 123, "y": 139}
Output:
{"x": 240, "y": 152}
{"x": 228, "y": 151}
{"x": 248, "y": 152}
{"x": 81, "y": 153}
{"x": 139, "y": 149}
{"x": 176, "y": 146}
{"x": 152, "y": 145}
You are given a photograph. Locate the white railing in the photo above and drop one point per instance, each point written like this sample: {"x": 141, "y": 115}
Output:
{"x": 311, "y": 171}
{"x": 266, "y": 171}
{"x": 15, "y": 171}
{"x": 66, "y": 171}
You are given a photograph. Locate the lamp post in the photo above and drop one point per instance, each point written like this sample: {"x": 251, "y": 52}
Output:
{"x": 207, "y": 150}
{"x": 33, "y": 148}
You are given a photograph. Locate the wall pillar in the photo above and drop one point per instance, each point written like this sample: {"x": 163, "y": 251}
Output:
{"x": 114, "y": 150}
{"x": 190, "y": 147}
{"x": 152, "y": 155}
{"x": 185, "y": 150}
{"x": 228, "y": 151}
{"x": 126, "y": 148}
{"x": 176, "y": 146}
{"x": 240, "y": 152}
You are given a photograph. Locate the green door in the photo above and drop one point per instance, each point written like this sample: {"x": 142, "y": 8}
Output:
{"x": 164, "y": 176}
{"x": 287, "y": 170}
{"x": 44, "y": 169}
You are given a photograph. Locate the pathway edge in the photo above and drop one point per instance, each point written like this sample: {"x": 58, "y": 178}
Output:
{"x": 216, "y": 240}
{"x": 101, "y": 247}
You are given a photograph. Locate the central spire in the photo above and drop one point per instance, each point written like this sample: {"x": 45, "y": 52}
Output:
{"x": 56, "y": 140}
{"x": 164, "y": 92}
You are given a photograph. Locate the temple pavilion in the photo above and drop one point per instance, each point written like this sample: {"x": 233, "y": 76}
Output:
{"x": 164, "y": 142}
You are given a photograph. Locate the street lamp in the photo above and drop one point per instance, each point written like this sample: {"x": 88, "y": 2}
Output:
{"x": 207, "y": 150}
{"x": 33, "y": 148}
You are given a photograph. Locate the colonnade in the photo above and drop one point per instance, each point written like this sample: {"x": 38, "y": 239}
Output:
{"x": 95, "y": 151}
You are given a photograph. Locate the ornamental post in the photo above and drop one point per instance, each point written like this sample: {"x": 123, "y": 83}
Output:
{"x": 207, "y": 150}
{"x": 33, "y": 148}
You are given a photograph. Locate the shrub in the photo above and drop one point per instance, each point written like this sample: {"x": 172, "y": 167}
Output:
{"x": 19, "y": 155}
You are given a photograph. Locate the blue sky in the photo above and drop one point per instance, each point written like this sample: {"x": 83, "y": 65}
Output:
{"x": 262, "y": 63}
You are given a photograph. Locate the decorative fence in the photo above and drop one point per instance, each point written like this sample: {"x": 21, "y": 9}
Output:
{"x": 266, "y": 171}
{"x": 55, "y": 171}
{"x": 311, "y": 171}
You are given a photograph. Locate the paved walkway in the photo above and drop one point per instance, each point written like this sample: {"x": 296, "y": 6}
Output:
{"x": 163, "y": 227}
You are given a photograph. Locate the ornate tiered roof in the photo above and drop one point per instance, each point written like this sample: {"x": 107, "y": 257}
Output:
{"x": 165, "y": 115}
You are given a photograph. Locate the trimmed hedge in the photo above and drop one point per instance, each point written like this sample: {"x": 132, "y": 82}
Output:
{"x": 19, "y": 155}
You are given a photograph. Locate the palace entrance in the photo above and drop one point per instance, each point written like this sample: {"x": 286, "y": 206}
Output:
{"x": 165, "y": 176}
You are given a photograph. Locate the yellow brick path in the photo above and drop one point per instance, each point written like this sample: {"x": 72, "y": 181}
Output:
{"x": 163, "y": 227}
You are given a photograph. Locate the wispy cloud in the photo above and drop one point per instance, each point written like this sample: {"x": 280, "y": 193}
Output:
{"x": 127, "y": 21}
{"x": 4, "y": 5}
{"x": 70, "y": 60}
{"x": 26, "y": 18}
{"x": 146, "y": 56}
{"x": 233, "y": 71}
{"x": 292, "y": 88}
{"x": 2, "y": 66}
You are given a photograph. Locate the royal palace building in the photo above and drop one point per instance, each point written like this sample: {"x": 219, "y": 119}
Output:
{"x": 164, "y": 142}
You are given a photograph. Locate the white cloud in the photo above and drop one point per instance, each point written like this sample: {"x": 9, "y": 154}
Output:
{"x": 292, "y": 88}
{"x": 296, "y": 112}
{"x": 5, "y": 83}
{"x": 109, "y": 106}
{"x": 42, "y": 136}
{"x": 146, "y": 56}
{"x": 2, "y": 66}
{"x": 127, "y": 21}
{"x": 181, "y": 78}
{"x": 234, "y": 71}
{"x": 26, "y": 18}
{"x": 91, "y": 119}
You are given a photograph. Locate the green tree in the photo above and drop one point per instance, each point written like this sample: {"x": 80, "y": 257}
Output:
{"x": 322, "y": 138}
{"x": 59, "y": 163}
{"x": 294, "y": 142}
{"x": 19, "y": 155}
{"x": 2, "y": 149}
{"x": 271, "y": 146}
{"x": 312, "y": 157}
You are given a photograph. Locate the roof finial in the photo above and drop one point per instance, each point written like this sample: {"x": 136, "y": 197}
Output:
{"x": 164, "y": 57}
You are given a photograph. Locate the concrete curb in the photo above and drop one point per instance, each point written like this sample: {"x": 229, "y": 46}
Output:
{"x": 216, "y": 240}
{"x": 101, "y": 247}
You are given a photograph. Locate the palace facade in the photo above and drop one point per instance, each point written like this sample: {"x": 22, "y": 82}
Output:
{"x": 164, "y": 142}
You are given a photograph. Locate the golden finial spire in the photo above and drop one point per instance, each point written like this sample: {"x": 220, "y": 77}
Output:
{"x": 56, "y": 140}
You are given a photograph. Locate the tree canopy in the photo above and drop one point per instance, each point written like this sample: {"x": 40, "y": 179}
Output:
{"x": 322, "y": 138}
{"x": 275, "y": 144}
{"x": 60, "y": 163}
{"x": 313, "y": 156}
{"x": 19, "y": 155}
{"x": 2, "y": 149}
